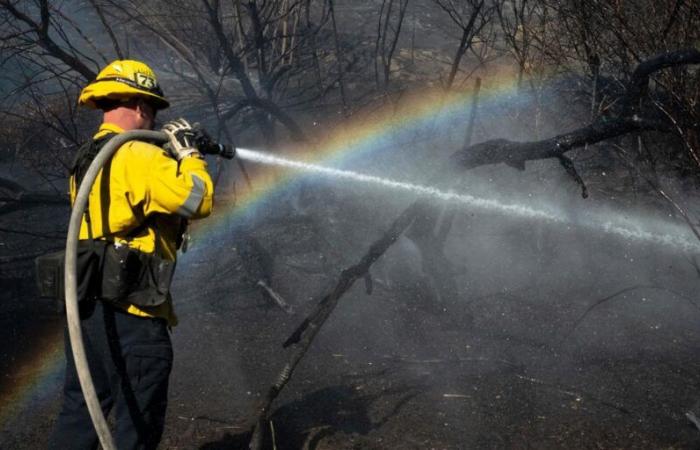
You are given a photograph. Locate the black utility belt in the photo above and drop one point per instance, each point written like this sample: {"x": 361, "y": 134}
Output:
{"x": 109, "y": 271}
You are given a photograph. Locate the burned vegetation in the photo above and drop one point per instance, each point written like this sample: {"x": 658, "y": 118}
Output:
{"x": 452, "y": 224}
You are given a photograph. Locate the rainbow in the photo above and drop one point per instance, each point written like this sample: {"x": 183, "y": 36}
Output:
{"x": 36, "y": 377}
{"x": 39, "y": 378}
{"x": 360, "y": 137}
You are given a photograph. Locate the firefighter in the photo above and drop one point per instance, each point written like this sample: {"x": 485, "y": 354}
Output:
{"x": 137, "y": 212}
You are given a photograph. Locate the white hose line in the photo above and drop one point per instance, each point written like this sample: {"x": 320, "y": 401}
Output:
{"x": 70, "y": 277}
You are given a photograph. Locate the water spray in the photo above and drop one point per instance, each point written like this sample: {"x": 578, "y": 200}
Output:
{"x": 676, "y": 235}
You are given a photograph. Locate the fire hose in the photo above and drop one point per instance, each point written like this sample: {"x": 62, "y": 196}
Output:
{"x": 70, "y": 274}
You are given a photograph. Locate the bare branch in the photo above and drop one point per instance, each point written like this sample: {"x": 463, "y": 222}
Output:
{"x": 108, "y": 28}
{"x": 640, "y": 77}
{"x": 269, "y": 107}
{"x": 568, "y": 165}
{"x": 510, "y": 152}
{"x": 44, "y": 40}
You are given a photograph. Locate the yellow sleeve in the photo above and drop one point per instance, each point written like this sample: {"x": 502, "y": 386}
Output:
{"x": 169, "y": 187}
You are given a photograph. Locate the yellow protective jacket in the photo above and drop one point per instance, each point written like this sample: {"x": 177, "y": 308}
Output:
{"x": 144, "y": 182}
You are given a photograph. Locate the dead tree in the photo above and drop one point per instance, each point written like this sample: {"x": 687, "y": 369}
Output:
{"x": 516, "y": 18}
{"x": 311, "y": 31}
{"x": 257, "y": 44}
{"x": 34, "y": 36}
{"x": 50, "y": 60}
{"x": 338, "y": 57}
{"x": 485, "y": 153}
{"x": 471, "y": 17}
{"x": 387, "y": 30}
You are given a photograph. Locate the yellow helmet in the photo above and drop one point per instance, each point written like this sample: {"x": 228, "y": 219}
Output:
{"x": 122, "y": 80}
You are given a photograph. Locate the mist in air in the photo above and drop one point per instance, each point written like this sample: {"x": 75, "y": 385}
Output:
{"x": 510, "y": 311}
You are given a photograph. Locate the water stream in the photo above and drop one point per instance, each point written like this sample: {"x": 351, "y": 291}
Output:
{"x": 626, "y": 226}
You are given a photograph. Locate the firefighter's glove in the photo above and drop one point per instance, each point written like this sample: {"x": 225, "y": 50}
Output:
{"x": 181, "y": 137}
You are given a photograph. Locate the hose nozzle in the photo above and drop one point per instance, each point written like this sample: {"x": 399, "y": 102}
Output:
{"x": 214, "y": 148}
{"x": 208, "y": 146}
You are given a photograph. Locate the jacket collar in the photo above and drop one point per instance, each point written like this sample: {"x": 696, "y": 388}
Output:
{"x": 107, "y": 128}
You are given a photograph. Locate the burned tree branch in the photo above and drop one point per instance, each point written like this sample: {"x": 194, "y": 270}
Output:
{"x": 276, "y": 297}
{"x": 234, "y": 62}
{"x": 514, "y": 153}
{"x": 301, "y": 339}
{"x": 639, "y": 81}
{"x": 470, "y": 29}
{"x": 108, "y": 28}
{"x": 568, "y": 165}
{"x": 655, "y": 186}
{"x": 338, "y": 57}
{"x": 271, "y": 108}
{"x": 610, "y": 297}
{"x": 41, "y": 29}
{"x": 29, "y": 233}
{"x": 349, "y": 276}
{"x": 15, "y": 197}
{"x": 11, "y": 186}
{"x": 385, "y": 52}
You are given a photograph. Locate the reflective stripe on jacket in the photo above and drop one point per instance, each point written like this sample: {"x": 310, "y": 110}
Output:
{"x": 145, "y": 198}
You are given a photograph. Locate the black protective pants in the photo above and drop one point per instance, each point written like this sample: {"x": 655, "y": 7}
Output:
{"x": 130, "y": 359}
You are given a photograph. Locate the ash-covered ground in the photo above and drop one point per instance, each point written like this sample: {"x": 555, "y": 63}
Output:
{"x": 510, "y": 359}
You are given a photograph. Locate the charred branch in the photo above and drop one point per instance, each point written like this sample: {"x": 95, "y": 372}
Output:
{"x": 511, "y": 152}
{"x": 622, "y": 292}
{"x": 639, "y": 81}
{"x": 276, "y": 297}
{"x": 568, "y": 165}
{"x": 41, "y": 30}
{"x": 234, "y": 62}
{"x": 470, "y": 29}
{"x": 108, "y": 28}
{"x": 14, "y": 197}
{"x": 386, "y": 29}
{"x": 32, "y": 234}
{"x": 270, "y": 108}
{"x": 28, "y": 200}
{"x": 11, "y": 186}
{"x": 338, "y": 57}
{"x": 301, "y": 339}
{"x": 348, "y": 277}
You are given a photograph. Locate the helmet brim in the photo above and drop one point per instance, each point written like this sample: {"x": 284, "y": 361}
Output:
{"x": 115, "y": 90}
